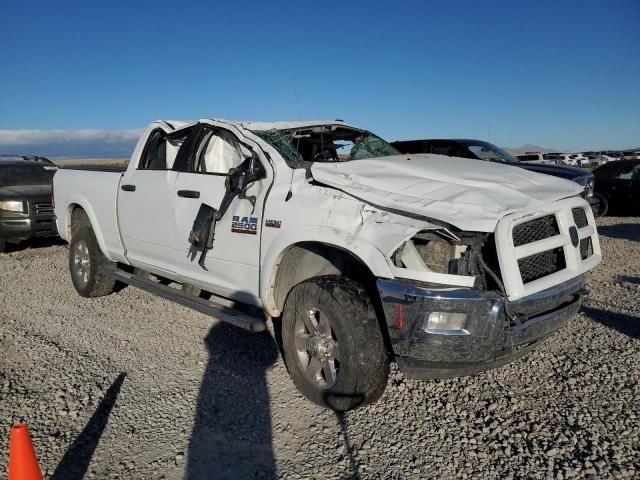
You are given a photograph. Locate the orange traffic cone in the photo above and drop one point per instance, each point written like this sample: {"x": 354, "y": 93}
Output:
{"x": 23, "y": 464}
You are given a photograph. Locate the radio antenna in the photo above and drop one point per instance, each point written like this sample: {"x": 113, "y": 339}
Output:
{"x": 295, "y": 91}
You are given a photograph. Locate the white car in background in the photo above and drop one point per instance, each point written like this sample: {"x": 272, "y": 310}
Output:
{"x": 575, "y": 159}
{"x": 610, "y": 156}
{"x": 538, "y": 157}
{"x": 533, "y": 157}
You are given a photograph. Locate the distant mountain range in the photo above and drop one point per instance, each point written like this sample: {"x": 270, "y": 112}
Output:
{"x": 528, "y": 148}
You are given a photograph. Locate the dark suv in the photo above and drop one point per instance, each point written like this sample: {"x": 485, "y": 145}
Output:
{"x": 480, "y": 150}
{"x": 619, "y": 186}
{"x": 25, "y": 199}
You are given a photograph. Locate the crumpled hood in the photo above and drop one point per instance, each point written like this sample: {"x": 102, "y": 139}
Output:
{"x": 466, "y": 193}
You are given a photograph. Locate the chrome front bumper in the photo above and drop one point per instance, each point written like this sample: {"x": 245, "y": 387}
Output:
{"x": 495, "y": 332}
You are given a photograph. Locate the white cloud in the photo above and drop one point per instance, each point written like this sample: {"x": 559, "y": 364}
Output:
{"x": 69, "y": 143}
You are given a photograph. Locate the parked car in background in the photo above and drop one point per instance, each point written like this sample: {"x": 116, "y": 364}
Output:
{"x": 618, "y": 185}
{"x": 630, "y": 154}
{"x": 609, "y": 156}
{"x": 554, "y": 158}
{"x": 574, "y": 159}
{"x": 593, "y": 160}
{"x": 533, "y": 157}
{"x": 26, "y": 210}
{"x": 480, "y": 150}
{"x": 560, "y": 158}
{"x": 31, "y": 158}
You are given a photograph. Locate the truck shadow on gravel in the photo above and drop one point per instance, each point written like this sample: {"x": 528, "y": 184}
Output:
{"x": 625, "y": 324}
{"x": 232, "y": 435}
{"x": 76, "y": 460}
{"x": 35, "y": 243}
{"x": 624, "y": 231}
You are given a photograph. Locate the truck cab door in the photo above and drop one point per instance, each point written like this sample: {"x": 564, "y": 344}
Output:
{"x": 145, "y": 205}
{"x": 232, "y": 265}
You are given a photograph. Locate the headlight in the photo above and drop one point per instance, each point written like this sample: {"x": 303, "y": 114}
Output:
{"x": 448, "y": 323}
{"x": 12, "y": 206}
{"x": 587, "y": 184}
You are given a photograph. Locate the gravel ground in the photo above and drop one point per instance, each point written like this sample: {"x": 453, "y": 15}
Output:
{"x": 133, "y": 386}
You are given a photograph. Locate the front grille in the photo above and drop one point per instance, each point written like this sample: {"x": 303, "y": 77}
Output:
{"x": 537, "y": 251}
{"x": 538, "y": 229}
{"x": 586, "y": 248}
{"x": 580, "y": 217}
{"x": 541, "y": 264}
{"x": 43, "y": 209}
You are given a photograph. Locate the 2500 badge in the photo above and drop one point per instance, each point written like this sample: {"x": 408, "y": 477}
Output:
{"x": 247, "y": 225}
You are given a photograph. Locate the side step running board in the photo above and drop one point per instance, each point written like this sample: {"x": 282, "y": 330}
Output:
{"x": 220, "y": 312}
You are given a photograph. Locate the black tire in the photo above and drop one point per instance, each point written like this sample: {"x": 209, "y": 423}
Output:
{"x": 604, "y": 205}
{"x": 361, "y": 364}
{"x": 92, "y": 278}
{"x": 3, "y": 245}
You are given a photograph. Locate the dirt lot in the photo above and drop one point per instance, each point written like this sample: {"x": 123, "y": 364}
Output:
{"x": 132, "y": 386}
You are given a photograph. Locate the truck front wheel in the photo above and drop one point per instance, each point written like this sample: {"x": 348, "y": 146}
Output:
{"x": 90, "y": 269}
{"x": 332, "y": 343}
{"x": 604, "y": 205}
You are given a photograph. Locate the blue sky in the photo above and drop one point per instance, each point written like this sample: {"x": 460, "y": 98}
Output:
{"x": 563, "y": 74}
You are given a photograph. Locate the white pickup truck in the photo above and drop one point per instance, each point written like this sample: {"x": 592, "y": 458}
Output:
{"x": 359, "y": 255}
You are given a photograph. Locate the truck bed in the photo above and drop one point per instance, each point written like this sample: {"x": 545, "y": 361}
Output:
{"x": 94, "y": 190}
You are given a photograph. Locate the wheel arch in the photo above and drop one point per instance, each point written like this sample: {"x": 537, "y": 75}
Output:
{"x": 76, "y": 211}
{"x": 308, "y": 254}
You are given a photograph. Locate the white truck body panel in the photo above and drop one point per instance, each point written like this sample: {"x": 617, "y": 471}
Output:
{"x": 368, "y": 208}
{"x": 146, "y": 218}
{"x": 97, "y": 196}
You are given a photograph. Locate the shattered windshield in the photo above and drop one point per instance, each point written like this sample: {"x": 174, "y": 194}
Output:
{"x": 488, "y": 151}
{"x": 326, "y": 143}
{"x": 16, "y": 175}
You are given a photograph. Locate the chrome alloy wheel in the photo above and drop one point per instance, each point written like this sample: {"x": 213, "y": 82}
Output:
{"x": 316, "y": 347}
{"x": 81, "y": 262}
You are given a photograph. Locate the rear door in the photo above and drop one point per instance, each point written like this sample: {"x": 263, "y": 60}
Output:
{"x": 232, "y": 266}
{"x": 622, "y": 186}
{"x": 145, "y": 204}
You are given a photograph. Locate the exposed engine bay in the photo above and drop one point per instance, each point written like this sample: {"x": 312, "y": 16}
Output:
{"x": 462, "y": 253}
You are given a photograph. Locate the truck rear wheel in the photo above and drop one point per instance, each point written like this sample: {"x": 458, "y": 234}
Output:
{"x": 90, "y": 269}
{"x": 332, "y": 343}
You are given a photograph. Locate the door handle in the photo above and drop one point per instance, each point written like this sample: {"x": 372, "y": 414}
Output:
{"x": 188, "y": 194}
{"x": 128, "y": 188}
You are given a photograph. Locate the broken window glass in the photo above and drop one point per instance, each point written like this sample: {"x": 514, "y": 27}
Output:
{"x": 326, "y": 143}
{"x": 280, "y": 140}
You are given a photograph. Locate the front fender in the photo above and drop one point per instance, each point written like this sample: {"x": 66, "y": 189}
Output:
{"x": 366, "y": 252}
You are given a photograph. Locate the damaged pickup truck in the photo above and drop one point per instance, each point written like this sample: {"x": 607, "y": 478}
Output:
{"x": 360, "y": 256}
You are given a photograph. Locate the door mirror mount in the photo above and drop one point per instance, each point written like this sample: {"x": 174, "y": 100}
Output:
{"x": 255, "y": 170}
